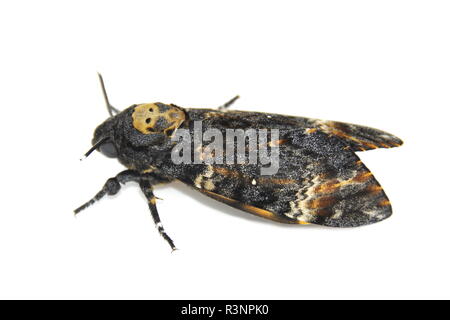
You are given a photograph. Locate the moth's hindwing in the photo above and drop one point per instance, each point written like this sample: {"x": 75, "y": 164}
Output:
{"x": 319, "y": 181}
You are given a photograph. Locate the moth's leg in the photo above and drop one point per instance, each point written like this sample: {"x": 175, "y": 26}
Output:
{"x": 147, "y": 189}
{"x": 112, "y": 186}
{"x": 228, "y": 104}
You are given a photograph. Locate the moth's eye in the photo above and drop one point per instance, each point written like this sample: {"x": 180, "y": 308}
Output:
{"x": 108, "y": 149}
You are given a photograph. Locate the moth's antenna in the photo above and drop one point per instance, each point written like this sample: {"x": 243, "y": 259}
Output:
{"x": 109, "y": 107}
{"x": 95, "y": 146}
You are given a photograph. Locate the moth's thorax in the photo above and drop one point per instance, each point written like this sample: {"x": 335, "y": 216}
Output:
{"x": 151, "y": 118}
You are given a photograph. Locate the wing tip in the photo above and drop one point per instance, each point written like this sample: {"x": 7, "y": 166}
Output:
{"x": 393, "y": 141}
{"x": 360, "y": 138}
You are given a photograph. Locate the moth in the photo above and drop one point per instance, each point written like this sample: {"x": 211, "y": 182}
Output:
{"x": 319, "y": 179}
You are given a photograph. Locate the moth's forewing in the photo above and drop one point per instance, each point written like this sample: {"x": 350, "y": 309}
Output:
{"x": 359, "y": 138}
{"x": 356, "y": 137}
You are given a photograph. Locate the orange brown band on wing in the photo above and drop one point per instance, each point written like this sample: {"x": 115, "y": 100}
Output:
{"x": 276, "y": 143}
{"x": 358, "y": 141}
{"x": 360, "y": 138}
{"x": 225, "y": 172}
{"x": 248, "y": 208}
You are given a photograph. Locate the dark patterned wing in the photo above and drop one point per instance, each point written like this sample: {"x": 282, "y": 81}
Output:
{"x": 359, "y": 138}
{"x": 319, "y": 181}
{"x": 356, "y": 137}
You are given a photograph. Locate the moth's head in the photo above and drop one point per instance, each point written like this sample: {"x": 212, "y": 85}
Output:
{"x": 104, "y": 138}
{"x": 140, "y": 125}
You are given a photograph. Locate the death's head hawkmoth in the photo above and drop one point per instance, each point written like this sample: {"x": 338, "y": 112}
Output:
{"x": 319, "y": 179}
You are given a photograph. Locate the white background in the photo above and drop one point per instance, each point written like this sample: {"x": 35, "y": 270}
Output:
{"x": 384, "y": 64}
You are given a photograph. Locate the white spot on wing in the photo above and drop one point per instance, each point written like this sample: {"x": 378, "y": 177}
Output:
{"x": 209, "y": 185}
{"x": 208, "y": 173}
{"x": 338, "y": 213}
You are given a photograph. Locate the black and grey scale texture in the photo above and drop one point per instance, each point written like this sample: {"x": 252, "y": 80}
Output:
{"x": 320, "y": 179}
